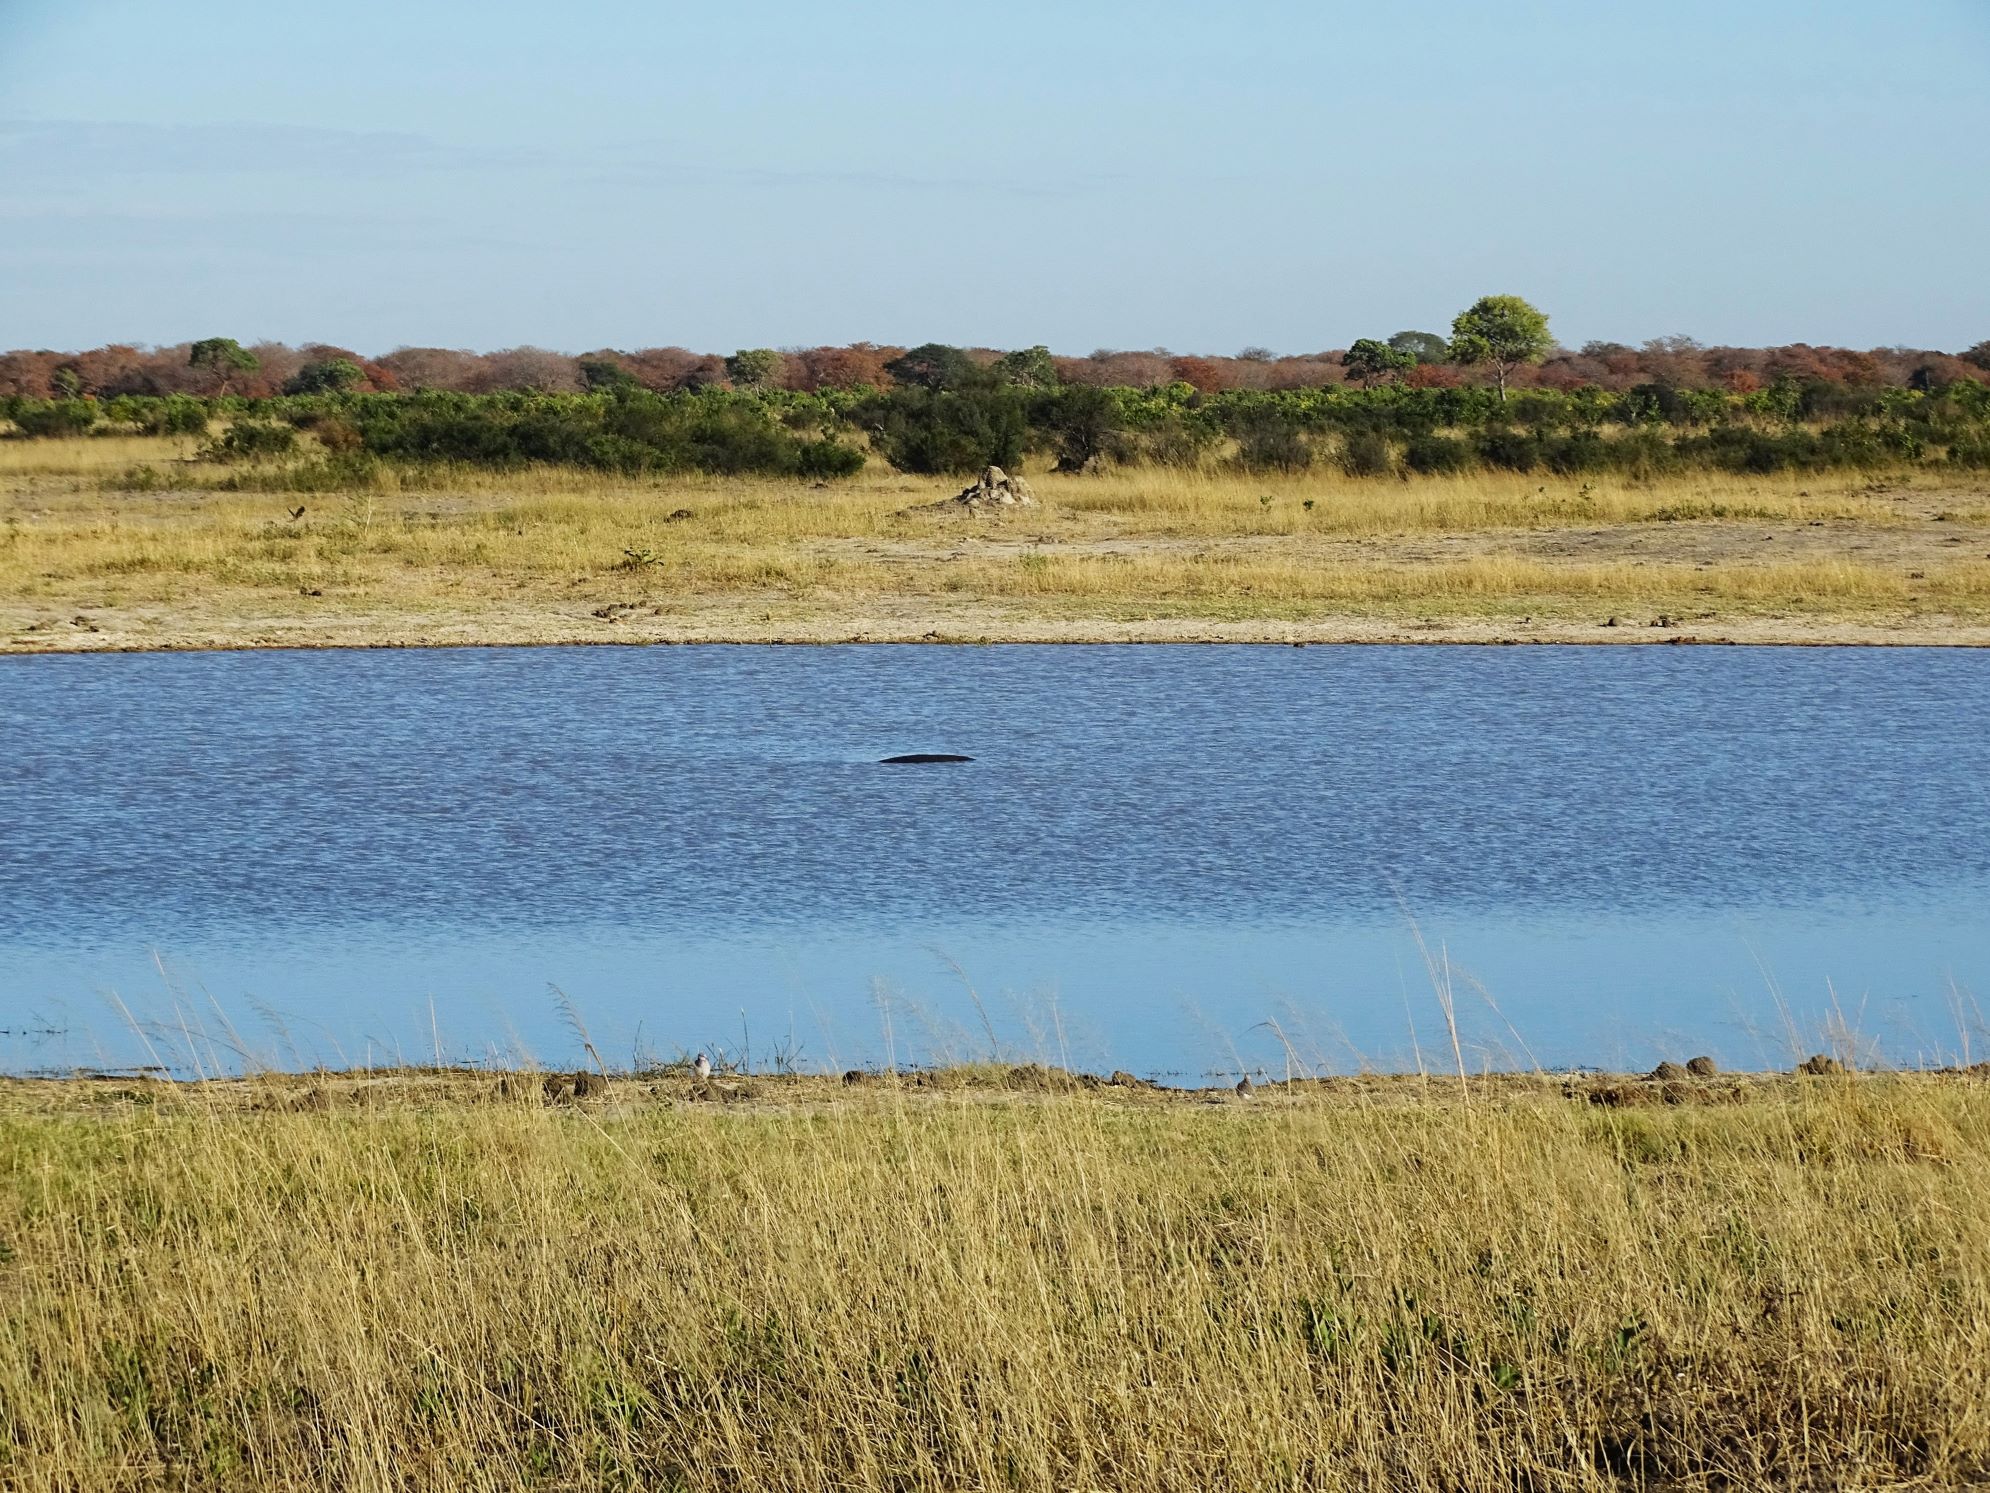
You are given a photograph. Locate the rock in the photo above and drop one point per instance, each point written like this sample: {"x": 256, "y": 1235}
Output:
{"x": 1121, "y": 1079}
{"x": 589, "y": 1085}
{"x": 1702, "y": 1067}
{"x": 1667, "y": 1073}
{"x": 1819, "y": 1064}
{"x": 556, "y": 1087}
{"x": 1245, "y": 1088}
{"x": 854, "y": 1077}
{"x": 995, "y": 486}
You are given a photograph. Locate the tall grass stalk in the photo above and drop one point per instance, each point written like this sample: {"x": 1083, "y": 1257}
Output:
{"x": 438, "y": 1282}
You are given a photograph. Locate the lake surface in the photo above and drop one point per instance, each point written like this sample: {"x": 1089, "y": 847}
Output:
{"x": 1181, "y": 861}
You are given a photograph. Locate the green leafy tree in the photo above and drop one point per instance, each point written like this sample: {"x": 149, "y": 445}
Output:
{"x": 605, "y": 376}
{"x": 1029, "y": 368}
{"x": 935, "y": 365}
{"x": 1502, "y": 331}
{"x": 1979, "y": 355}
{"x": 754, "y": 368}
{"x": 222, "y": 359}
{"x": 1083, "y": 422}
{"x": 949, "y": 430}
{"x": 1425, "y": 347}
{"x": 328, "y": 376}
{"x": 1372, "y": 361}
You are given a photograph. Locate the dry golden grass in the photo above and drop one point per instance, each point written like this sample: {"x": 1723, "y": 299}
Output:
{"x": 1125, "y": 546}
{"x": 1370, "y": 1285}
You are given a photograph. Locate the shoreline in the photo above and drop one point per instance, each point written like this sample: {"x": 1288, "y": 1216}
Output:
{"x": 724, "y": 625}
{"x": 1670, "y": 1084}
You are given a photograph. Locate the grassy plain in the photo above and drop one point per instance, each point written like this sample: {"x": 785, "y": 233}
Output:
{"x": 994, "y": 1279}
{"x": 546, "y": 556}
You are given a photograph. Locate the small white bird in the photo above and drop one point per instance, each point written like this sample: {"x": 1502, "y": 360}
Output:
{"x": 702, "y": 1066}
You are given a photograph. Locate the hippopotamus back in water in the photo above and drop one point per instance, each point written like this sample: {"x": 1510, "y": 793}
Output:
{"x": 910, "y": 757}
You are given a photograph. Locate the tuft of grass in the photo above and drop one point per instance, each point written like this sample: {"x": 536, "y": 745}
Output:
{"x": 457, "y": 1280}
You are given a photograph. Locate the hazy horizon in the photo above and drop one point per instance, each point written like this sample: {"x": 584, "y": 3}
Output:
{"x": 780, "y": 175}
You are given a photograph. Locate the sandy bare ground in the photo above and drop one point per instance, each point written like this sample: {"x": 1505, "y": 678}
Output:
{"x": 728, "y": 620}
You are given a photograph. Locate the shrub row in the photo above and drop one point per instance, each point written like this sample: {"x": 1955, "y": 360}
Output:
{"x": 1368, "y": 432}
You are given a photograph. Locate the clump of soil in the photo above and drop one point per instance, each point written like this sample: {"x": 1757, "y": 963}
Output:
{"x": 994, "y": 488}
{"x": 1818, "y": 1065}
{"x": 1637, "y": 1093}
{"x": 1039, "y": 1079}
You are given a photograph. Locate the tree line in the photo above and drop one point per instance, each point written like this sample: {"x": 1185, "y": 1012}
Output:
{"x": 942, "y": 409}
{"x": 220, "y": 367}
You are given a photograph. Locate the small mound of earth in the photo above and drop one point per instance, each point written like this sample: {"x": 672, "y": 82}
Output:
{"x": 994, "y": 488}
{"x": 1036, "y": 1077}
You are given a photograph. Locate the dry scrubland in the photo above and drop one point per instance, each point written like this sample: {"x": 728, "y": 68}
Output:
{"x": 994, "y": 1280}
{"x": 1149, "y": 553}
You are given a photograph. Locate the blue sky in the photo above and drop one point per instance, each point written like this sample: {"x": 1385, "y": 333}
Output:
{"x": 1203, "y": 177}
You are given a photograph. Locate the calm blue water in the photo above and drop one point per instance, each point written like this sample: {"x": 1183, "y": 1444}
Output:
{"x": 1623, "y": 853}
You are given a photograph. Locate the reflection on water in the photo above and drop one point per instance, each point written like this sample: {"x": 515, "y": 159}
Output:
{"x": 1626, "y": 852}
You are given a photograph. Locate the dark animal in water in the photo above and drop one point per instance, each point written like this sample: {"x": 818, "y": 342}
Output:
{"x": 925, "y": 757}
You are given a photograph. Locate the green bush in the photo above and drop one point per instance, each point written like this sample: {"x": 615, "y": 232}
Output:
{"x": 1437, "y": 455}
{"x": 1082, "y": 424}
{"x": 1272, "y": 442}
{"x": 1972, "y": 454}
{"x": 182, "y": 414}
{"x": 251, "y": 440}
{"x": 48, "y": 418}
{"x": 1176, "y": 440}
{"x": 935, "y": 431}
{"x": 1509, "y": 450}
{"x": 341, "y": 472}
{"x": 827, "y": 459}
{"x": 1366, "y": 453}
{"x": 1570, "y": 455}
